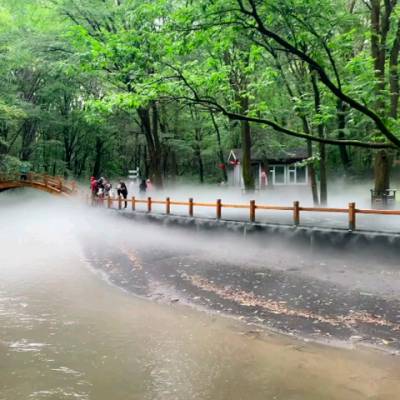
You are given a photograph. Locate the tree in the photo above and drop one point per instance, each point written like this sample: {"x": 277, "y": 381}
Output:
{"x": 100, "y": 86}
{"x": 119, "y": 40}
{"x": 220, "y": 18}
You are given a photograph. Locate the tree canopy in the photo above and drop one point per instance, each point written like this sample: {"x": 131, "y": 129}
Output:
{"x": 170, "y": 86}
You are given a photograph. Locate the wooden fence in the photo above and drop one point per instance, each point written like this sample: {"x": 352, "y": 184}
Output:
{"x": 251, "y": 207}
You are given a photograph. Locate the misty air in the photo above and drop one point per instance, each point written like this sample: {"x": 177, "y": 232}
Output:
{"x": 198, "y": 200}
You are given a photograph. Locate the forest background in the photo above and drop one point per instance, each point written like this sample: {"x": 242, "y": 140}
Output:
{"x": 100, "y": 87}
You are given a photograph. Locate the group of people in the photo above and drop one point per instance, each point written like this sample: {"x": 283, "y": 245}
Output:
{"x": 102, "y": 188}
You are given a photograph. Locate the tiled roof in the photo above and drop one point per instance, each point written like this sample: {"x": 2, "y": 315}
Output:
{"x": 298, "y": 153}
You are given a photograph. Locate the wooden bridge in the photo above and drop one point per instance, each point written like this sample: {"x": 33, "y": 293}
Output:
{"x": 50, "y": 184}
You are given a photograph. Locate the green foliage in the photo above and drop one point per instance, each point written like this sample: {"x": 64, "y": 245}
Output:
{"x": 74, "y": 77}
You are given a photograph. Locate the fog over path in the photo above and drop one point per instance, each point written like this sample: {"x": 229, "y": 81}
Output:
{"x": 66, "y": 333}
{"x": 340, "y": 195}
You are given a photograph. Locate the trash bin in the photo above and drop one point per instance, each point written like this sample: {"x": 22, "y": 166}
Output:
{"x": 24, "y": 171}
{"x": 384, "y": 200}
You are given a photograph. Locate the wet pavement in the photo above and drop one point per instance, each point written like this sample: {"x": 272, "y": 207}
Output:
{"x": 327, "y": 301}
{"x": 66, "y": 333}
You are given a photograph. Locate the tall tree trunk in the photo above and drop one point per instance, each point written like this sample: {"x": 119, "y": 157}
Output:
{"x": 341, "y": 123}
{"x": 138, "y": 153}
{"x": 220, "y": 151}
{"x": 382, "y": 171}
{"x": 156, "y": 156}
{"x": 68, "y": 158}
{"x": 199, "y": 162}
{"x": 146, "y": 167}
{"x": 174, "y": 165}
{"x": 239, "y": 83}
{"x": 3, "y": 143}
{"x": 380, "y": 26}
{"x": 312, "y": 175}
{"x": 197, "y": 152}
{"x": 80, "y": 164}
{"x": 323, "y": 175}
{"x": 149, "y": 126}
{"x": 311, "y": 169}
{"x": 98, "y": 155}
{"x": 167, "y": 151}
{"x": 394, "y": 74}
{"x": 197, "y": 144}
{"x": 322, "y": 146}
{"x": 28, "y": 138}
{"x": 245, "y": 129}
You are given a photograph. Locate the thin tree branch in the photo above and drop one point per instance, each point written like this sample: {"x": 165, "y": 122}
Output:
{"x": 216, "y": 107}
{"x": 253, "y": 13}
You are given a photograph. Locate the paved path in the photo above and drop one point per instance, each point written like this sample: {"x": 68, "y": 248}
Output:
{"x": 323, "y": 300}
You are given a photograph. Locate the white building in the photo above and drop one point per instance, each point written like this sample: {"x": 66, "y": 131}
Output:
{"x": 282, "y": 168}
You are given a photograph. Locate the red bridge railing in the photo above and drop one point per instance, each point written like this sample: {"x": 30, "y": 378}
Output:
{"x": 54, "y": 184}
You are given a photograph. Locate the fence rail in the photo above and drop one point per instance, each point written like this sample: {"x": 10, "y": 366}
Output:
{"x": 252, "y": 208}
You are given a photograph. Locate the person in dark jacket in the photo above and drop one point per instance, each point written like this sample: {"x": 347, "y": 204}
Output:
{"x": 143, "y": 186}
{"x": 122, "y": 190}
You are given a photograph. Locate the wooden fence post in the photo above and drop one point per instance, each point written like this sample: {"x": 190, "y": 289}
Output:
{"x": 168, "y": 206}
{"x": 190, "y": 207}
{"x": 219, "y": 208}
{"x": 149, "y": 204}
{"x": 252, "y": 210}
{"x": 352, "y": 216}
{"x": 119, "y": 202}
{"x": 296, "y": 213}
{"x": 133, "y": 203}
{"x": 109, "y": 202}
